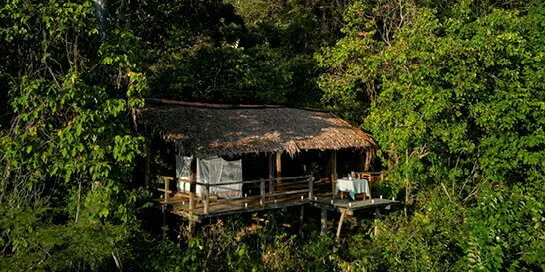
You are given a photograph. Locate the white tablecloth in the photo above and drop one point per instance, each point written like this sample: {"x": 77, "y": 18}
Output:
{"x": 355, "y": 186}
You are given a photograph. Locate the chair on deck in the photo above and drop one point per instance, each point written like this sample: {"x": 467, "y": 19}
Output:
{"x": 372, "y": 177}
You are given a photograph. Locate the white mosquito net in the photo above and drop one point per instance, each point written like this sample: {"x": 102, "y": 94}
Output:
{"x": 213, "y": 171}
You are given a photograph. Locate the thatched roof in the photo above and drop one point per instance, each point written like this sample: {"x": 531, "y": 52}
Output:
{"x": 212, "y": 129}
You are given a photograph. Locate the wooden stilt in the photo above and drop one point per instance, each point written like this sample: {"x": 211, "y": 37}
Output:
{"x": 339, "y": 227}
{"x": 271, "y": 217}
{"x": 323, "y": 221}
{"x": 377, "y": 215}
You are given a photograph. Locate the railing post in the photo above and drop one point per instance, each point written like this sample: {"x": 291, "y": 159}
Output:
{"x": 310, "y": 188}
{"x": 262, "y": 191}
{"x": 271, "y": 188}
{"x": 192, "y": 194}
{"x": 206, "y": 198}
{"x": 166, "y": 189}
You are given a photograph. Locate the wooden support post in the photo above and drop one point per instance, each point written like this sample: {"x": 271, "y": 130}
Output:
{"x": 278, "y": 166}
{"x": 262, "y": 191}
{"x": 206, "y": 198}
{"x": 361, "y": 161}
{"x": 167, "y": 181}
{"x": 333, "y": 164}
{"x": 339, "y": 227}
{"x": 323, "y": 221}
{"x": 192, "y": 197}
{"x": 271, "y": 169}
{"x": 377, "y": 215}
{"x": 310, "y": 188}
{"x": 193, "y": 185}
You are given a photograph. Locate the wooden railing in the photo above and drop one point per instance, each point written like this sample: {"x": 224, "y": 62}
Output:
{"x": 270, "y": 190}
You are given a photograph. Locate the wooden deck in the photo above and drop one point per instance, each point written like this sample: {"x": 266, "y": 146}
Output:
{"x": 352, "y": 205}
{"x": 269, "y": 194}
{"x": 257, "y": 195}
{"x": 285, "y": 193}
{"x": 250, "y": 205}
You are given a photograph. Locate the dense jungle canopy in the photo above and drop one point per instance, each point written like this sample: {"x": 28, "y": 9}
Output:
{"x": 453, "y": 92}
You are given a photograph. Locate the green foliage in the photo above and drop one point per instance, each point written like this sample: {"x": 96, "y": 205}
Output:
{"x": 67, "y": 158}
{"x": 453, "y": 93}
{"x": 507, "y": 229}
{"x": 449, "y": 94}
{"x": 237, "y": 245}
{"x": 224, "y": 74}
{"x": 455, "y": 103}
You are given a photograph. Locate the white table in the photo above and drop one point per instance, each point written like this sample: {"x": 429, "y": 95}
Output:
{"x": 353, "y": 187}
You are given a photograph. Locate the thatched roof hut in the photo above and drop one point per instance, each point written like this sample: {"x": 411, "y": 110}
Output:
{"x": 212, "y": 129}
